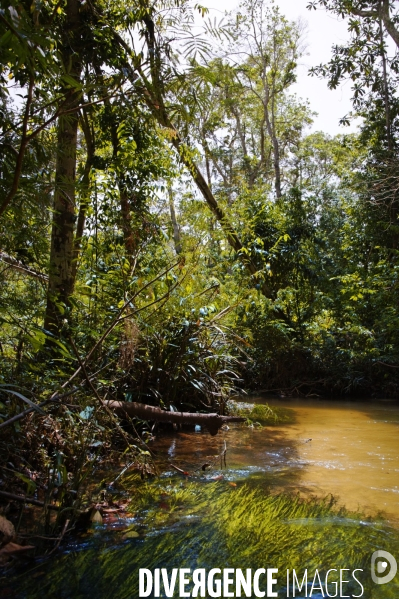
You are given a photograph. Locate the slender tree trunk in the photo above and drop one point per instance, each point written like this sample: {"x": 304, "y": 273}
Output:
{"x": 22, "y": 149}
{"x": 389, "y": 23}
{"x": 386, "y": 91}
{"x": 175, "y": 225}
{"x": 153, "y": 95}
{"x": 129, "y": 234}
{"x": 61, "y": 272}
{"x": 84, "y": 194}
{"x": 125, "y": 198}
{"x": 208, "y": 171}
{"x": 229, "y": 231}
{"x": 276, "y": 153}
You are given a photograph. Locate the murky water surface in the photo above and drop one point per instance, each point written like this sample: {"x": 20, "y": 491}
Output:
{"x": 253, "y": 499}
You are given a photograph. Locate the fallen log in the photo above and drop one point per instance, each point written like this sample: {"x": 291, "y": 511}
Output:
{"x": 213, "y": 422}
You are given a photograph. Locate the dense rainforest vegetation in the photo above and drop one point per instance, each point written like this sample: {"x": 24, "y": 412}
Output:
{"x": 170, "y": 231}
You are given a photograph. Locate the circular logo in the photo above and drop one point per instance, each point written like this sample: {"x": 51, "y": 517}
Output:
{"x": 379, "y": 567}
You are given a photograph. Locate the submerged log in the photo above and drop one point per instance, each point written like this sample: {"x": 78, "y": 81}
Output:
{"x": 213, "y": 422}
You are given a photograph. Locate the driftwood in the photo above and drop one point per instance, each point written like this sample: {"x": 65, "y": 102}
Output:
{"x": 213, "y": 422}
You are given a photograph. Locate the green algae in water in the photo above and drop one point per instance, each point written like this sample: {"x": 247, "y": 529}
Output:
{"x": 214, "y": 525}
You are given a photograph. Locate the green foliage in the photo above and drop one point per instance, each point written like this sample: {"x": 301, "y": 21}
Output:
{"x": 185, "y": 366}
{"x": 322, "y": 249}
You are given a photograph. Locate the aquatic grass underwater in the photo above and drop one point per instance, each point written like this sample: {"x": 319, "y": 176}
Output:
{"x": 208, "y": 524}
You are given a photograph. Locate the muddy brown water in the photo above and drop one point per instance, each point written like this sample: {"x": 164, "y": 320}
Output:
{"x": 345, "y": 448}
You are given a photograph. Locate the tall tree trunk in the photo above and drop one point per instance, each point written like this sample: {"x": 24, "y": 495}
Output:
{"x": 61, "y": 273}
{"x": 386, "y": 90}
{"x": 125, "y": 200}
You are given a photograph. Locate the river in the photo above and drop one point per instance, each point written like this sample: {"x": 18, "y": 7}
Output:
{"x": 348, "y": 449}
{"x": 319, "y": 493}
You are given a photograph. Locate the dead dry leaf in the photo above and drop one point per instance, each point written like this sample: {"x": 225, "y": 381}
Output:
{"x": 96, "y": 517}
{"x": 7, "y": 527}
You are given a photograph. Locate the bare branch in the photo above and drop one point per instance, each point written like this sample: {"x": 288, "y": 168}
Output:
{"x": 20, "y": 266}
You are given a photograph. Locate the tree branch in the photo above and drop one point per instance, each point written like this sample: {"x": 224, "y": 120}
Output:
{"x": 389, "y": 25}
{"x": 17, "y": 265}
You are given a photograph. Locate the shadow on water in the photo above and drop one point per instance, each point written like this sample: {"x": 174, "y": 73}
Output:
{"x": 260, "y": 456}
{"x": 272, "y": 508}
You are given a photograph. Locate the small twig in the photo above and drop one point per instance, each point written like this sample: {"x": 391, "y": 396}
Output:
{"x": 65, "y": 528}
{"x": 111, "y": 484}
{"x": 143, "y": 443}
{"x": 385, "y": 364}
{"x": 179, "y": 469}
{"x": 20, "y": 266}
{"x": 223, "y": 455}
{"x": 54, "y": 398}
